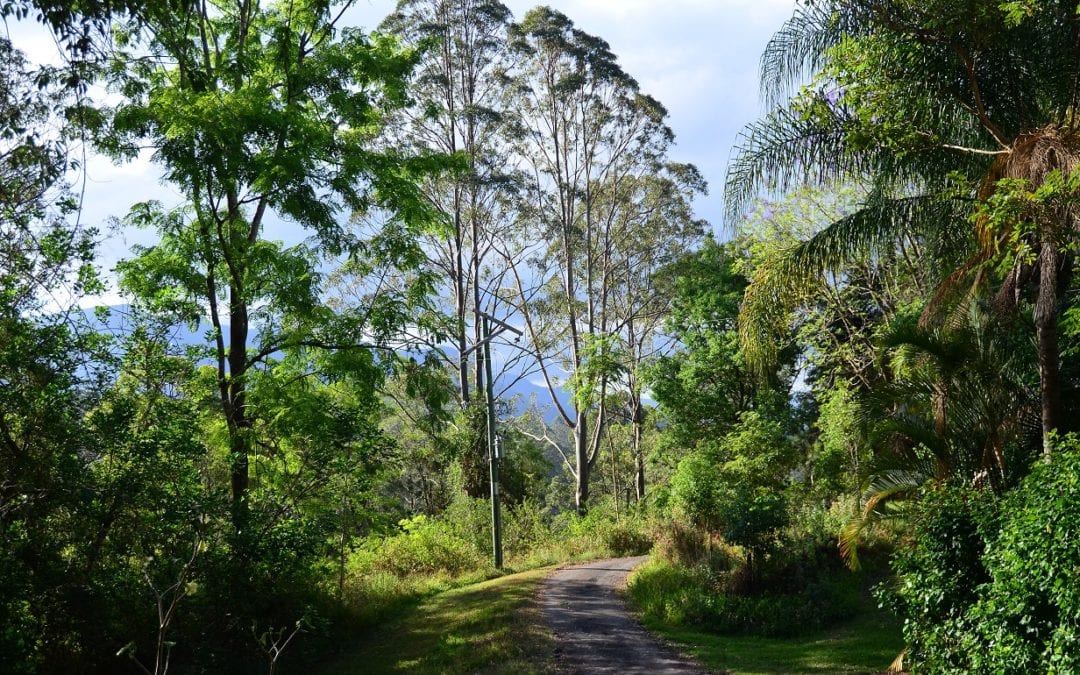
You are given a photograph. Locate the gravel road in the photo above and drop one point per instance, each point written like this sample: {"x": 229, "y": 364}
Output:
{"x": 593, "y": 630}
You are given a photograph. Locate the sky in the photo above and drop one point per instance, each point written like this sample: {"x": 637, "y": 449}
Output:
{"x": 699, "y": 58}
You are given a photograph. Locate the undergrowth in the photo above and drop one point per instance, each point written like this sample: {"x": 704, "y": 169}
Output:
{"x": 697, "y": 579}
{"x": 429, "y": 555}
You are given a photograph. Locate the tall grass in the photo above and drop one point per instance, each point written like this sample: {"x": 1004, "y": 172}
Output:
{"x": 697, "y": 579}
{"x": 428, "y": 555}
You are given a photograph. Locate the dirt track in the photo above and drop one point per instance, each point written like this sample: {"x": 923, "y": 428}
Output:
{"x": 593, "y": 630}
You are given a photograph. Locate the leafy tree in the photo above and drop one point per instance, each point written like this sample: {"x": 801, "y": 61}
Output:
{"x": 45, "y": 266}
{"x": 427, "y": 439}
{"x": 838, "y": 461}
{"x": 150, "y": 515}
{"x": 734, "y": 485}
{"x": 256, "y": 110}
{"x": 42, "y": 251}
{"x": 703, "y": 387}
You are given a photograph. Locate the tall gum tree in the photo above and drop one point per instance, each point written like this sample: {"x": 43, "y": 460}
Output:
{"x": 458, "y": 97}
{"x": 255, "y": 110}
{"x": 656, "y": 226}
{"x": 585, "y": 135}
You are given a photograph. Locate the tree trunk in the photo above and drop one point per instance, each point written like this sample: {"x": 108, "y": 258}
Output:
{"x": 236, "y": 407}
{"x": 1046, "y": 330}
{"x": 581, "y": 460}
{"x": 639, "y": 460}
{"x": 639, "y": 475}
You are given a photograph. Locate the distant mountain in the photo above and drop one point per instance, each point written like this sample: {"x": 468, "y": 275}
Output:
{"x": 118, "y": 321}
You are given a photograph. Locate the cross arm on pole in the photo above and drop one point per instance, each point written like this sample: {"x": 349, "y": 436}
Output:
{"x": 502, "y": 327}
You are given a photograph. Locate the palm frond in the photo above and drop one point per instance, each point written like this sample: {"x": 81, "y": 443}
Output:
{"x": 783, "y": 149}
{"x": 880, "y": 498}
{"x": 869, "y": 231}
{"x": 798, "y": 50}
{"x": 781, "y": 285}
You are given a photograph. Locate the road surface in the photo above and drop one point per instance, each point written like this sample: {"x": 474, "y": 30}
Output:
{"x": 594, "y": 633}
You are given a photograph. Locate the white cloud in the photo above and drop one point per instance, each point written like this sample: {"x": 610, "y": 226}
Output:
{"x": 738, "y": 9}
{"x": 699, "y": 58}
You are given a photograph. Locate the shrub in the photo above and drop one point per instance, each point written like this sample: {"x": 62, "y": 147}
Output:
{"x": 600, "y": 534}
{"x": 526, "y": 528}
{"x": 626, "y": 538}
{"x": 668, "y": 593}
{"x": 939, "y": 568}
{"x": 753, "y": 517}
{"x": 698, "y": 596}
{"x": 990, "y": 585}
{"x": 426, "y": 546}
{"x": 694, "y": 490}
{"x": 1027, "y": 617}
{"x": 682, "y": 545}
{"x": 735, "y": 485}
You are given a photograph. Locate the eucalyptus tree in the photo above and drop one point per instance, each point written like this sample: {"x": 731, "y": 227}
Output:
{"x": 254, "y": 111}
{"x": 934, "y": 104}
{"x": 656, "y": 227}
{"x": 585, "y": 134}
{"x": 458, "y": 99}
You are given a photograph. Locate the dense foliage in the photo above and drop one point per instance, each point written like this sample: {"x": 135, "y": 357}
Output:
{"x": 274, "y": 443}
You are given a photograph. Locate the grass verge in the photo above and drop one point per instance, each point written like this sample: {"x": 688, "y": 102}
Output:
{"x": 490, "y": 627}
{"x": 867, "y": 642}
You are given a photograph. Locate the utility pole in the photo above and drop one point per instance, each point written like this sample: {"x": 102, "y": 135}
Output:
{"x": 494, "y": 454}
{"x": 493, "y": 451}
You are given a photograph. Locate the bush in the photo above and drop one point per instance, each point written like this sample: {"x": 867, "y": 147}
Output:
{"x": 668, "y": 593}
{"x": 600, "y": 534}
{"x": 697, "y": 579}
{"x": 735, "y": 485}
{"x": 990, "y": 585}
{"x": 526, "y": 528}
{"x": 426, "y": 546}
{"x": 690, "y": 547}
{"x": 626, "y": 538}
{"x": 698, "y": 596}
{"x": 939, "y": 568}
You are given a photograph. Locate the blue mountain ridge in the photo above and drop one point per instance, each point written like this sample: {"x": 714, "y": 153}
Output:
{"x": 523, "y": 392}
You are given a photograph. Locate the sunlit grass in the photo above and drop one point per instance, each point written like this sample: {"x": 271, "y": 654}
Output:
{"x": 491, "y": 627}
{"x": 867, "y": 644}
{"x": 866, "y": 641}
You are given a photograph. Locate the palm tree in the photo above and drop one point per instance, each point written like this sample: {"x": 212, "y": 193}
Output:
{"x": 935, "y": 106}
{"x": 955, "y": 403}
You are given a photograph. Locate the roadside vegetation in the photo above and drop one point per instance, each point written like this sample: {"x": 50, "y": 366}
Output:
{"x": 489, "y": 627}
{"x": 429, "y": 556}
{"x": 858, "y": 646}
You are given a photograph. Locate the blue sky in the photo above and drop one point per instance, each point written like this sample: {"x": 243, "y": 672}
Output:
{"x": 697, "y": 57}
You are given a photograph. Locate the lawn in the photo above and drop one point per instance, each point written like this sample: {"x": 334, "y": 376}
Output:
{"x": 866, "y": 644}
{"x": 491, "y": 627}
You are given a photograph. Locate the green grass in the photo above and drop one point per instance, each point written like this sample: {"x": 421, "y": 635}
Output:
{"x": 491, "y": 627}
{"x": 867, "y": 644}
